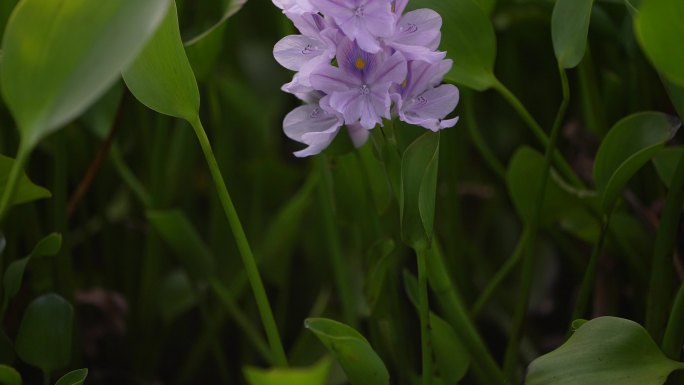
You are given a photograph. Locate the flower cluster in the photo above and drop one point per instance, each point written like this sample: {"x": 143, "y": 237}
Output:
{"x": 359, "y": 61}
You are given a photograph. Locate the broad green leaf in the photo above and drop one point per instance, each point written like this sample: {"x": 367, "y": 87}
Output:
{"x": 659, "y": 26}
{"x": 44, "y": 336}
{"x": 100, "y": 117}
{"x": 161, "y": 77}
{"x": 522, "y": 179}
{"x": 676, "y": 93}
{"x": 630, "y": 144}
{"x": 569, "y": 30}
{"x": 487, "y": 5}
{"x": 353, "y": 352}
{"x": 26, "y": 190}
{"x": 9, "y": 376}
{"x": 419, "y": 167}
{"x": 469, "y": 39}
{"x": 175, "y": 228}
{"x": 59, "y": 56}
{"x": 176, "y": 295}
{"x": 666, "y": 161}
{"x": 605, "y": 350}
{"x": 6, "y": 8}
{"x": 14, "y": 274}
{"x": 75, "y": 377}
{"x": 451, "y": 356}
{"x": 316, "y": 374}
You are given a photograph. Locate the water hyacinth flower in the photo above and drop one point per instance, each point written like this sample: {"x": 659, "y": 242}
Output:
{"x": 358, "y": 62}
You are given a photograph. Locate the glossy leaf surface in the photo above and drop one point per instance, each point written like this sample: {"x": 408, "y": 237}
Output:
{"x": 61, "y": 55}
{"x": 569, "y": 30}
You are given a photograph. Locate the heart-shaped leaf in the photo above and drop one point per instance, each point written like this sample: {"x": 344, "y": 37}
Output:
{"x": 605, "y": 350}
{"x": 569, "y": 30}
{"x": 419, "y": 167}
{"x": 9, "y": 376}
{"x": 44, "y": 336}
{"x": 469, "y": 39}
{"x": 59, "y": 56}
{"x": 75, "y": 377}
{"x": 353, "y": 352}
{"x": 26, "y": 191}
{"x": 316, "y": 374}
{"x": 630, "y": 144}
{"x": 161, "y": 77}
{"x": 659, "y": 26}
{"x": 14, "y": 274}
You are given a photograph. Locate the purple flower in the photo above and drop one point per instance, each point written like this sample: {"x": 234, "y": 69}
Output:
{"x": 294, "y": 6}
{"x": 304, "y": 54}
{"x": 421, "y": 101}
{"x": 359, "y": 88}
{"x": 312, "y": 125}
{"x": 361, "y": 20}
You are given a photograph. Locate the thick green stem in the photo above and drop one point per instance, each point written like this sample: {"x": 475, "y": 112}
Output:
{"x": 243, "y": 247}
{"x": 13, "y": 180}
{"x": 424, "y": 314}
{"x": 538, "y": 132}
{"x": 456, "y": 312}
{"x": 662, "y": 278}
{"x": 340, "y": 272}
{"x": 512, "y": 350}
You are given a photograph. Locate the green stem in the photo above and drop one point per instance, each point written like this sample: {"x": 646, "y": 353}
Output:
{"x": 530, "y": 241}
{"x": 339, "y": 266}
{"x": 13, "y": 180}
{"x": 456, "y": 313}
{"x": 243, "y": 247}
{"x": 674, "y": 333}
{"x": 662, "y": 278}
{"x": 499, "y": 277}
{"x": 424, "y": 313}
{"x": 590, "y": 273}
{"x": 129, "y": 177}
{"x": 480, "y": 144}
{"x": 538, "y": 132}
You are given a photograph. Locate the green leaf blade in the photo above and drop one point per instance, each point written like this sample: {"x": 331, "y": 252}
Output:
{"x": 26, "y": 191}
{"x": 605, "y": 350}
{"x": 59, "y": 56}
{"x": 630, "y": 144}
{"x": 569, "y": 30}
{"x": 659, "y": 26}
{"x": 161, "y": 77}
{"x": 75, "y": 377}
{"x": 356, "y": 356}
{"x": 44, "y": 336}
{"x": 316, "y": 374}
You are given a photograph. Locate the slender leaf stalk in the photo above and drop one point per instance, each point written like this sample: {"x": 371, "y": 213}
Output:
{"x": 538, "y": 132}
{"x": 662, "y": 278}
{"x": 480, "y": 144}
{"x": 424, "y": 314}
{"x": 243, "y": 246}
{"x": 530, "y": 241}
{"x": 456, "y": 312}
{"x": 340, "y": 272}
{"x": 13, "y": 180}
{"x": 500, "y": 276}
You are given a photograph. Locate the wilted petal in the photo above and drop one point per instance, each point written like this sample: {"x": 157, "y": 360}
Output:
{"x": 429, "y": 108}
{"x": 313, "y": 126}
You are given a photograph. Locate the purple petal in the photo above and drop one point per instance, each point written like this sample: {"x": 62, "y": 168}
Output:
{"x": 330, "y": 79}
{"x": 416, "y": 52}
{"x": 358, "y": 134}
{"x": 348, "y": 103}
{"x": 430, "y": 107}
{"x": 419, "y": 28}
{"x": 399, "y": 6}
{"x": 312, "y": 126}
{"x": 392, "y": 70}
{"x": 293, "y": 51}
{"x": 378, "y": 18}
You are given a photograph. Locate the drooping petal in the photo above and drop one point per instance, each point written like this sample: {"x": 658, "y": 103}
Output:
{"x": 311, "y": 125}
{"x": 429, "y": 108}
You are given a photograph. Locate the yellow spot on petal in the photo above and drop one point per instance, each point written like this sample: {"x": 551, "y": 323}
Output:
{"x": 392, "y": 7}
{"x": 403, "y": 84}
{"x": 360, "y": 63}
